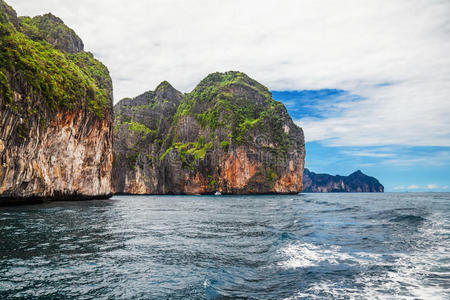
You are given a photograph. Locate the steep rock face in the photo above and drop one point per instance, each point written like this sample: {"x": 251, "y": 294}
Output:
{"x": 141, "y": 124}
{"x": 355, "y": 182}
{"x": 227, "y": 135}
{"x": 55, "y": 115}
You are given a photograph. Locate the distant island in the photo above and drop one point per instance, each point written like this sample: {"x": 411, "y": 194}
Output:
{"x": 355, "y": 182}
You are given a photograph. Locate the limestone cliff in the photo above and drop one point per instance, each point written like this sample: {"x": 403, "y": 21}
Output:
{"x": 227, "y": 135}
{"x": 55, "y": 113}
{"x": 355, "y": 183}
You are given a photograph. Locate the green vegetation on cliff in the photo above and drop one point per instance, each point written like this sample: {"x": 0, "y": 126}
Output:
{"x": 217, "y": 83}
{"x": 213, "y": 96}
{"x": 60, "y": 79}
{"x": 228, "y": 100}
{"x": 5, "y": 90}
{"x": 135, "y": 127}
{"x": 194, "y": 150}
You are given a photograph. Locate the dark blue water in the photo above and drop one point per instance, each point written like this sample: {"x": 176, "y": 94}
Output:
{"x": 309, "y": 246}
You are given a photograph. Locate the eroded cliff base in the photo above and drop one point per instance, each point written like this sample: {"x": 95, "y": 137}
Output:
{"x": 13, "y": 201}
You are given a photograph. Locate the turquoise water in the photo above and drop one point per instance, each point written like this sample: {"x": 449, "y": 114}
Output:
{"x": 309, "y": 246}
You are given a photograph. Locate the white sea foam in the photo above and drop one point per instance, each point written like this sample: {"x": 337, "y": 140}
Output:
{"x": 410, "y": 275}
{"x": 304, "y": 255}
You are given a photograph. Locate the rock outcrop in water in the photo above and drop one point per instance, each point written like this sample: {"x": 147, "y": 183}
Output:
{"x": 227, "y": 135}
{"x": 355, "y": 182}
{"x": 55, "y": 113}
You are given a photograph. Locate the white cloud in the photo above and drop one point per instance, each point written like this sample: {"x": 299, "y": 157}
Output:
{"x": 410, "y": 113}
{"x": 367, "y": 153}
{"x": 433, "y": 186}
{"x": 351, "y": 44}
{"x": 439, "y": 158}
{"x": 430, "y": 186}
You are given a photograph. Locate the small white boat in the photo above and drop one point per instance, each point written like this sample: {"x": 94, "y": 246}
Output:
{"x": 217, "y": 193}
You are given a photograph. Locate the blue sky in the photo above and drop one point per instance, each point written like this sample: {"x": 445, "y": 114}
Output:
{"x": 368, "y": 81}
{"x": 398, "y": 167}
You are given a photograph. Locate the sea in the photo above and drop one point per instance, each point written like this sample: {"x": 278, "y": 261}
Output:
{"x": 306, "y": 246}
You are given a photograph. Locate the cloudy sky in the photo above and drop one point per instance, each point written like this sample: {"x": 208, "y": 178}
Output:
{"x": 368, "y": 80}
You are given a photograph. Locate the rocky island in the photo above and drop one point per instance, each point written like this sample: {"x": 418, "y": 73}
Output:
{"x": 228, "y": 135}
{"x": 56, "y": 113}
{"x": 355, "y": 183}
